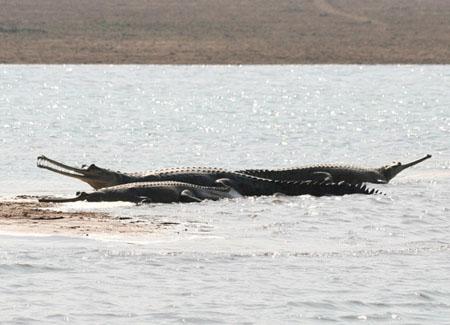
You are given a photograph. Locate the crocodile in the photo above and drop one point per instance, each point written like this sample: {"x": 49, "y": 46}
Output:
{"x": 176, "y": 191}
{"x": 335, "y": 173}
{"x": 98, "y": 177}
{"x": 246, "y": 185}
{"x": 154, "y": 192}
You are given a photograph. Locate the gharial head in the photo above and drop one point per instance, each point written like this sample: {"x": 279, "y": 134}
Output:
{"x": 390, "y": 171}
{"x": 95, "y": 176}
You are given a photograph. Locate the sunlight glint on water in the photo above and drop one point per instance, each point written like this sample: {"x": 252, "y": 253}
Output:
{"x": 263, "y": 260}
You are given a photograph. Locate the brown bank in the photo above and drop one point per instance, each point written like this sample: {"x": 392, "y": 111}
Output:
{"x": 31, "y": 217}
{"x": 225, "y": 31}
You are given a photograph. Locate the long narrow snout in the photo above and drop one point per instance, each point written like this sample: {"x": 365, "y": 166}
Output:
{"x": 94, "y": 176}
{"x": 391, "y": 171}
{"x": 61, "y": 200}
{"x": 60, "y": 168}
{"x": 415, "y": 162}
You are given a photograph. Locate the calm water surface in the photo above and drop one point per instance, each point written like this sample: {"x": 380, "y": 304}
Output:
{"x": 379, "y": 259}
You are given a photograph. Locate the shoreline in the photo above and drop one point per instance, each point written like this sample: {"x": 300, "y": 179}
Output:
{"x": 225, "y": 32}
{"x": 223, "y": 64}
{"x": 30, "y": 217}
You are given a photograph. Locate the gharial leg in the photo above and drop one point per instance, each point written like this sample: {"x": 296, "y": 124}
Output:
{"x": 189, "y": 196}
{"x": 323, "y": 177}
{"x": 144, "y": 200}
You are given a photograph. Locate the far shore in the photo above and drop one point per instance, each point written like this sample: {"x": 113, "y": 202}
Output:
{"x": 225, "y": 32}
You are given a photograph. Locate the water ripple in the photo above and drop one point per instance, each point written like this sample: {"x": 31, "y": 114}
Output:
{"x": 275, "y": 260}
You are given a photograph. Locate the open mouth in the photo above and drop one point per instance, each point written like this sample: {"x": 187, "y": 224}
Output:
{"x": 60, "y": 168}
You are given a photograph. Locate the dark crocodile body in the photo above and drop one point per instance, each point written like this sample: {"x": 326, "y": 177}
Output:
{"x": 100, "y": 177}
{"x": 246, "y": 185}
{"x": 174, "y": 191}
{"x": 334, "y": 173}
{"x": 254, "y": 186}
{"x": 154, "y": 192}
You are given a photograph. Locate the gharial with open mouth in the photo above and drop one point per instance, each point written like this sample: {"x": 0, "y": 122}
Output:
{"x": 95, "y": 176}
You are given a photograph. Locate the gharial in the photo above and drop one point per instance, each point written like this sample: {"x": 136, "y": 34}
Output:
{"x": 98, "y": 177}
{"x": 246, "y": 185}
{"x": 153, "y": 192}
{"x": 176, "y": 191}
{"x": 335, "y": 173}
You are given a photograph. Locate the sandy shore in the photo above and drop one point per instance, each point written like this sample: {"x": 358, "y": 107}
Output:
{"x": 225, "y": 31}
{"x": 32, "y": 217}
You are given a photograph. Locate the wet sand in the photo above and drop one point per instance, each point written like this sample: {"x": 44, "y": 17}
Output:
{"x": 225, "y": 31}
{"x": 32, "y": 217}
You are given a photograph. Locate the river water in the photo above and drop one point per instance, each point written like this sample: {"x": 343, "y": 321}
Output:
{"x": 379, "y": 259}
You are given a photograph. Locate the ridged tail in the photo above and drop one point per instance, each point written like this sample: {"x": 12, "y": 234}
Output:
{"x": 326, "y": 188}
